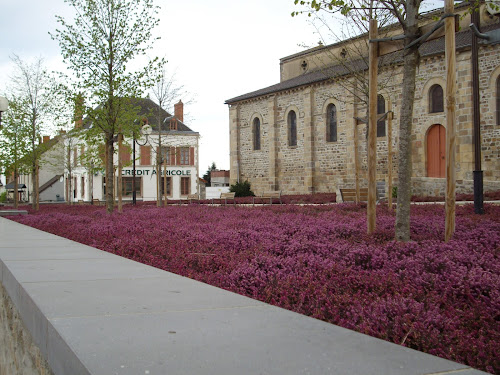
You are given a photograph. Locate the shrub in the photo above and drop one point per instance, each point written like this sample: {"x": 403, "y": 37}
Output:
{"x": 242, "y": 189}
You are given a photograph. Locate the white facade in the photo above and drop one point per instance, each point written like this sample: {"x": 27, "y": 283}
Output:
{"x": 180, "y": 150}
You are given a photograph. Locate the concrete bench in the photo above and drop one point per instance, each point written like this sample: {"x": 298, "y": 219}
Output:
{"x": 13, "y": 212}
{"x": 349, "y": 195}
{"x": 225, "y": 197}
{"x": 193, "y": 198}
{"x": 269, "y": 195}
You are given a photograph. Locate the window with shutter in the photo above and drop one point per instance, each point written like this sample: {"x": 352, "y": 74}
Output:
{"x": 169, "y": 186}
{"x": 125, "y": 154}
{"x": 127, "y": 186}
{"x": 145, "y": 155}
{"x": 185, "y": 185}
{"x": 184, "y": 156}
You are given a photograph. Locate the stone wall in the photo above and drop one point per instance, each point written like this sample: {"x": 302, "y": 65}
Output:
{"x": 18, "y": 354}
{"x": 315, "y": 165}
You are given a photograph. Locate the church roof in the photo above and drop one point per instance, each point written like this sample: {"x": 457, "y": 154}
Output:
{"x": 433, "y": 47}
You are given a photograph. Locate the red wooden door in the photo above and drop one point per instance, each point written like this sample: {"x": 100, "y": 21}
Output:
{"x": 436, "y": 151}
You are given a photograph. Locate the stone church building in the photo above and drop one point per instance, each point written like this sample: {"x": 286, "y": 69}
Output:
{"x": 307, "y": 133}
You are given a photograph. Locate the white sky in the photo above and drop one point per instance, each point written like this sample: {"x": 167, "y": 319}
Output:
{"x": 219, "y": 49}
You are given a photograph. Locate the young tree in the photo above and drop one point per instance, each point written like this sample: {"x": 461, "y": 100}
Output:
{"x": 32, "y": 86}
{"x": 406, "y": 13}
{"x": 14, "y": 142}
{"x": 100, "y": 45}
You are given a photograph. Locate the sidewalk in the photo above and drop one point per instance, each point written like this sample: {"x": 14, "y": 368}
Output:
{"x": 91, "y": 312}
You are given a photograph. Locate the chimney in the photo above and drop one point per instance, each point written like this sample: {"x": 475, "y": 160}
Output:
{"x": 179, "y": 111}
{"x": 78, "y": 111}
{"x": 46, "y": 138}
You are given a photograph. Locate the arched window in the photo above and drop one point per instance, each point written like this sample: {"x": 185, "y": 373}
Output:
{"x": 256, "y": 133}
{"x": 498, "y": 100}
{"x": 380, "y": 111}
{"x": 292, "y": 128}
{"x": 331, "y": 123}
{"x": 436, "y": 102}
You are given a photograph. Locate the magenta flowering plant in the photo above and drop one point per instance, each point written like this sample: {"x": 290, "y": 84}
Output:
{"x": 436, "y": 297}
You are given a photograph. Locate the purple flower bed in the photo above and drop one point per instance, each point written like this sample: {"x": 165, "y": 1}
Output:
{"x": 436, "y": 297}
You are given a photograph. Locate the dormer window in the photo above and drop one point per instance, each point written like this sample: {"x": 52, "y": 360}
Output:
{"x": 173, "y": 124}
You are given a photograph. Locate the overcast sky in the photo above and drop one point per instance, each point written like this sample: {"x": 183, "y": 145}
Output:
{"x": 219, "y": 49}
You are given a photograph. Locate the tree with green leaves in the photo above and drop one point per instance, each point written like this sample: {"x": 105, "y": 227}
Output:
{"x": 99, "y": 47}
{"x": 14, "y": 142}
{"x": 31, "y": 86}
{"x": 208, "y": 174}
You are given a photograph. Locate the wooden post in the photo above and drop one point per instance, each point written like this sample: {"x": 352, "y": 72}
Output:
{"x": 356, "y": 143}
{"x": 120, "y": 181}
{"x": 165, "y": 179}
{"x": 451, "y": 88}
{"x": 389, "y": 154}
{"x": 372, "y": 128}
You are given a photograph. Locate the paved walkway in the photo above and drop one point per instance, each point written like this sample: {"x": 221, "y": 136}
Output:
{"x": 91, "y": 312}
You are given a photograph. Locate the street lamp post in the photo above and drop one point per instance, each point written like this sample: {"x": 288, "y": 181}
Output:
{"x": 146, "y": 131}
{"x": 4, "y": 104}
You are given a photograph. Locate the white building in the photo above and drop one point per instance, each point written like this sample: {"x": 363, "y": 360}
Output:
{"x": 179, "y": 149}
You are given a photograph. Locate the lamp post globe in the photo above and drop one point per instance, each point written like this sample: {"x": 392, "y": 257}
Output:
{"x": 4, "y": 105}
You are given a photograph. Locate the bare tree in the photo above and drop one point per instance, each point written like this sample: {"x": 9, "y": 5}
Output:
{"x": 166, "y": 91}
{"x": 406, "y": 14}
{"x": 32, "y": 86}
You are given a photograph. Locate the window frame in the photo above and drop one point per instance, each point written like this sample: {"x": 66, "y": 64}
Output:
{"x": 183, "y": 159}
{"x": 256, "y": 133}
{"x": 292, "y": 128}
{"x": 329, "y": 127}
{"x": 126, "y": 180}
{"x": 169, "y": 185}
{"x": 381, "y": 128}
{"x": 436, "y": 106}
{"x": 182, "y": 179}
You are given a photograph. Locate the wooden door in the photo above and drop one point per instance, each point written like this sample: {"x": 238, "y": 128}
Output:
{"x": 436, "y": 151}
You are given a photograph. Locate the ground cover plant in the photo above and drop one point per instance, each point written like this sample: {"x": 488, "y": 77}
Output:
{"x": 436, "y": 297}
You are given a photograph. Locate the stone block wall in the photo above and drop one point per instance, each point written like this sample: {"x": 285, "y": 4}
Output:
{"x": 315, "y": 165}
{"x": 18, "y": 354}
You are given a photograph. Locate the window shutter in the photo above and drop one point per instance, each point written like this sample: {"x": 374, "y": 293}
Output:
{"x": 102, "y": 153}
{"x": 125, "y": 154}
{"x": 172, "y": 156}
{"x": 145, "y": 155}
{"x": 191, "y": 156}
{"x": 178, "y": 156}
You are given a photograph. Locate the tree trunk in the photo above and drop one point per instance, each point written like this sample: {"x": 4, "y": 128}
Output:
{"x": 37, "y": 185}
{"x": 165, "y": 181}
{"x": 402, "y": 228}
{"x": 110, "y": 186}
{"x": 16, "y": 190}
{"x": 120, "y": 180}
